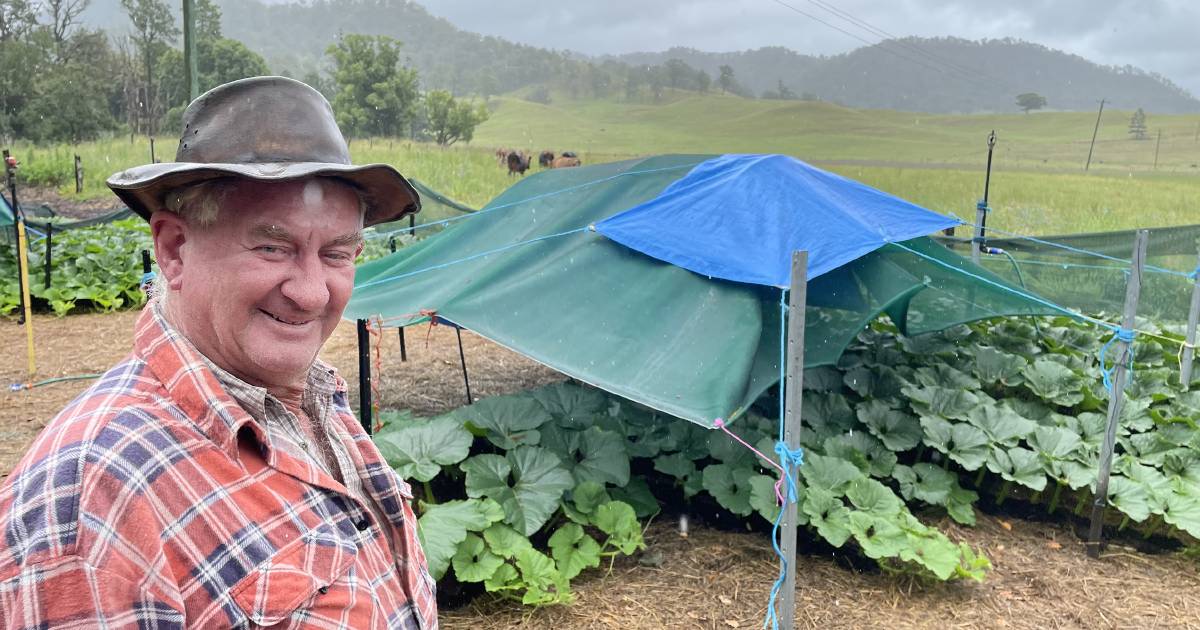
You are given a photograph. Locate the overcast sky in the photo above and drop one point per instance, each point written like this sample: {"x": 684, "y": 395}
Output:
{"x": 1156, "y": 35}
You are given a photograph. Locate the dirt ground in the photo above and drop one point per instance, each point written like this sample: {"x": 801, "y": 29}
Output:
{"x": 710, "y": 578}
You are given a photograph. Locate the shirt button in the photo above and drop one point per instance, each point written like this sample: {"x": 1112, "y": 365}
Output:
{"x": 323, "y": 590}
{"x": 362, "y": 525}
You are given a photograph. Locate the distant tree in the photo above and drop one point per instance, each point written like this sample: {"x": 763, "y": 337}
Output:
{"x": 1030, "y": 101}
{"x": 71, "y": 105}
{"x": 153, "y": 29}
{"x": 782, "y": 92}
{"x": 703, "y": 82}
{"x": 450, "y": 120}
{"x": 376, "y": 95}
{"x": 726, "y": 80}
{"x": 1137, "y": 125}
{"x": 17, "y": 17}
{"x": 679, "y": 74}
{"x": 539, "y": 94}
{"x": 63, "y": 15}
{"x": 208, "y": 21}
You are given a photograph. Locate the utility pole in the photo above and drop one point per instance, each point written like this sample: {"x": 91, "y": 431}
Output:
{"x": 1094, "y": 132}
{"x": 1157, "y": 144}
{"x": 189, "y": 49}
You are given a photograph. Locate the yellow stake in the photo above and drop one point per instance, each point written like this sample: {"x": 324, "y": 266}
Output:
{"x": 24, "y": 270}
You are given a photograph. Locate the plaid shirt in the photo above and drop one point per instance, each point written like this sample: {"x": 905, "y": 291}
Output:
{"x": 155, "y": 501}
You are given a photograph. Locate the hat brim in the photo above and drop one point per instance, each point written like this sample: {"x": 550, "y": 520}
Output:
{"x": 390, "y": 196}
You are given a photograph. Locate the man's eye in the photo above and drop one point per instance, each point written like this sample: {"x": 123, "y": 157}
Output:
{"x": 269, "y": 249}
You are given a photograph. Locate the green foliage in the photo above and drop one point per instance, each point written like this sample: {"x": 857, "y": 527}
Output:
{"x": 451, "y": 120}
{"x": 98, "y": 266}
{"x": 420, "y": 449}
{"x": 376, "y": 95}
{"x": 1030, "y": 101}
{"x": 954, "y": 415}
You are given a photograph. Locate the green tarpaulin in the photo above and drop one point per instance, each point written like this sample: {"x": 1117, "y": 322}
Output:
{"x": 688, "y": 345}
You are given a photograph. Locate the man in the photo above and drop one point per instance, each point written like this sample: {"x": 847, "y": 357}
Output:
{"x": 217, "y": 478}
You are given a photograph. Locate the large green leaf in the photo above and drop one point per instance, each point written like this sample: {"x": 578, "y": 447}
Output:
{"x": 899, "y": 430}
{"x": 1158, "y": 487}
{"x": 864, "y": 451}
{"x": 1183, "y": 512}
{"x": 994, "y": 366}
{"x": 1019, "y": 465}
{"x": 505, "y": 541}
{"x": 934, "y": 552}
{"x": 1053, "y": 382}
{"x": 955, "y": 404}
{"x": 1130, "y": 497}
{"x": 601, "y": 458}
{"x": 962, "y": 442}
{"x": 474, "y": 562}
{"x": 729, "y": 486}
{"x": 830, "y": 474}
{"x": 828, "y": 514}
{"x": 507, "y": 421}
{"x": 444, "y": 526}
{"x": 879, "y": 537}
{"x": 880, "y": 381}
{"x": 543, "y": 583}
{"x": 874, "y": 498}
{"x": 943, "y": 375}
{"x": 764, "y": 501}
{"x": 1003, "y": 426}
{"x": 419, "y": 450}
{"x": 936, "y": 486}
{"x": 1055, "y": 443}
{"x": 573, "y": 550}
{"x": 571, "y": 405}
{"x": 618, "y": 520}
{"x": 538, "y": 480}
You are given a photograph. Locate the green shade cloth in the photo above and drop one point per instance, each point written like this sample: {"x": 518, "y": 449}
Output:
{"x": 1073, "y": 271}
{"x": 684, "y": 344}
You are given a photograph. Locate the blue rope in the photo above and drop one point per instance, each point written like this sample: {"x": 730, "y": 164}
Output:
{"x": 147, "y": 278}
{"x": 790, "y": 459}
{"x": 1122, "y": 334}
{"x": 1195, "y": 274}
{"x": 468, "y": 258}
{"x": 545, "y": 195}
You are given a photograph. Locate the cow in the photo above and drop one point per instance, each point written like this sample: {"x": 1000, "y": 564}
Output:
{"x": 501, "y": 156}
{"x": 518, "y": 163}
{"x": 545, "y": 159}
{"x": 566, "y": 160}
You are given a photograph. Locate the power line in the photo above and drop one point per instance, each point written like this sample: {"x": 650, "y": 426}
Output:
{"x": 861, "y": 39}
{"x": 879, "y": 32}
{"x": 881, "y": 44}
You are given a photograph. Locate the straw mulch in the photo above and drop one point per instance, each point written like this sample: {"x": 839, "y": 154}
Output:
{"x": 710, "y": 578}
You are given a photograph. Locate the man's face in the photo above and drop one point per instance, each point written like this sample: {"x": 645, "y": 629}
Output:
{"x": 260, "y": 290}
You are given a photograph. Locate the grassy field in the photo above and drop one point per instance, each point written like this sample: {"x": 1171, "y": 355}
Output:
{"x": 934, "y": 160}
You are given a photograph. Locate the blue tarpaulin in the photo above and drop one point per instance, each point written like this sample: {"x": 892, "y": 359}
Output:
{"x": 740, "y": 217}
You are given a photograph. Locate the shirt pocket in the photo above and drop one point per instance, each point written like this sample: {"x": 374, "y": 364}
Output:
{"x": 297, "y": 574}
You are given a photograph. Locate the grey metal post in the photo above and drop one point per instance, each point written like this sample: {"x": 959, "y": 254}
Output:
{"x": 793, "y": 397}
{"x": 1116, "y": 396}
{"x": 191, "y": 70}
{"x": 1189, "y": 350}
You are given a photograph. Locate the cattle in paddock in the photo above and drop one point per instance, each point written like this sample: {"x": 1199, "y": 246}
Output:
{"x": 518, "y": 163}
{"x": 545, "y": 159}
{"x": 502, "y": 156}
{"x": 567, "y": 160}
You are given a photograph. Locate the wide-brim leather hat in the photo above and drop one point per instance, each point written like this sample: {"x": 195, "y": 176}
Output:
{"x": 270, "y": 129}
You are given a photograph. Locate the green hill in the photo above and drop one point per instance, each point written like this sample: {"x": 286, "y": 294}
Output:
{"x": 823, "y": 132}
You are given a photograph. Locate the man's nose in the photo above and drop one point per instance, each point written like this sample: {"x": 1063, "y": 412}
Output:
{"x": 306, "y": 284}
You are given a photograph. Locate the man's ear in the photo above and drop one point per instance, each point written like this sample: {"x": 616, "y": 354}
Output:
{"x": 170, "y": 233}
